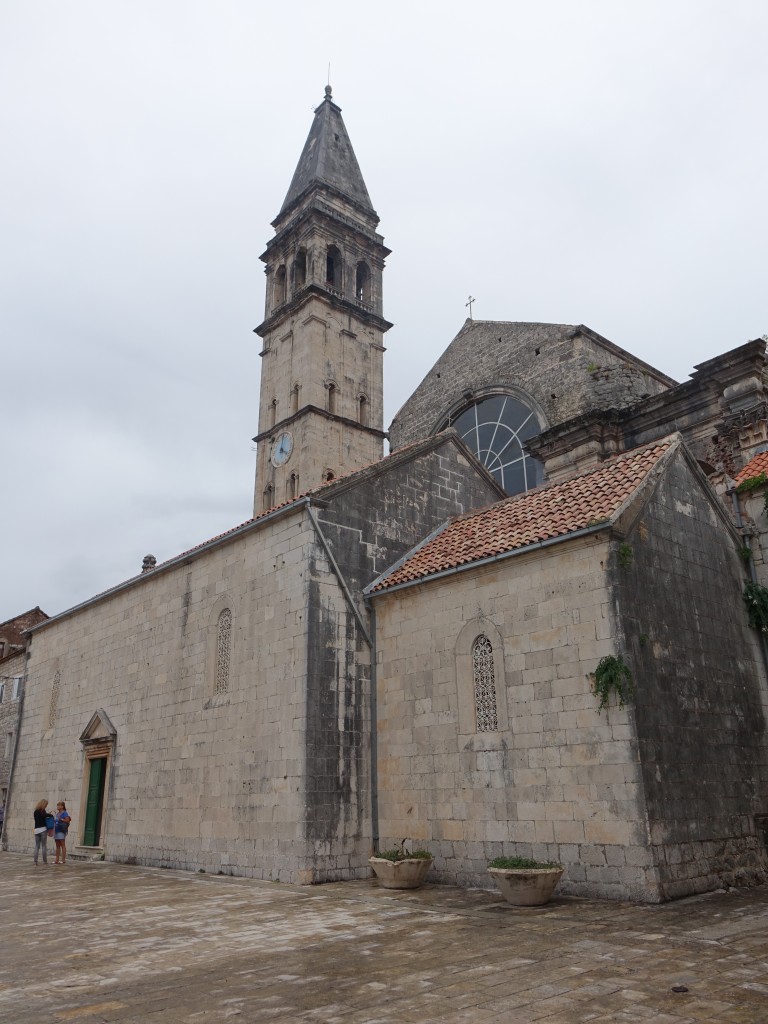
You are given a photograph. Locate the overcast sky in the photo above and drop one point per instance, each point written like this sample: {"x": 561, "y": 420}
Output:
{"x": 595, "y": 162}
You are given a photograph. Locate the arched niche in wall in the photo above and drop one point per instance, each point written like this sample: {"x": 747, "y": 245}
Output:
{"x": 479, "y": 653}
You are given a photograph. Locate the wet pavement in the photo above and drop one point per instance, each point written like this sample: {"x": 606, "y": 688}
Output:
{"x": 97, "y": 943}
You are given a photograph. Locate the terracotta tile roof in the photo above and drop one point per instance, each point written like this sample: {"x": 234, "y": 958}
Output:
{"x": 553, "y": 511}
{"x": 755, "y": 466}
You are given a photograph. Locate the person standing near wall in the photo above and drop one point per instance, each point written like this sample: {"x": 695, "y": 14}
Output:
{"x": 41, "y": 831}
{"x": 60, "y": 829}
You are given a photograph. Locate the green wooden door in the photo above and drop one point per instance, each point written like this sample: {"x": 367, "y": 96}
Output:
{"x": 94, "y": 803}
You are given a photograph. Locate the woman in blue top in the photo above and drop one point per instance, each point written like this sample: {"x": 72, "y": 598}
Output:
{"x": 60, "y": 829}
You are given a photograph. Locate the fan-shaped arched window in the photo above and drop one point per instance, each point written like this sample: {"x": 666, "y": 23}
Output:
{"x": 484, "y": 685}
{"x": 495, "y": 429}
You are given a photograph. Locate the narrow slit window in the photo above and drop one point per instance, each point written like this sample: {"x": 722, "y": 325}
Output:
{"x": 280, "y": 282}
{"x": 223, "y": 650}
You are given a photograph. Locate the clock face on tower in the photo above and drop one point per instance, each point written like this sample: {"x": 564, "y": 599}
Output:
{"x": 282, "y": 447}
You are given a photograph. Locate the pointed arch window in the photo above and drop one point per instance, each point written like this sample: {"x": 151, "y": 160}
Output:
{"x": 486, "y": 713}
{"x": 273, "y": 412}
{"x": 362, "y": 411}
{"x": 292, "y": 486}
{"x": 269, "y": 496}
{"x": 295, "y": 398}
{"x": 223, "y": 650}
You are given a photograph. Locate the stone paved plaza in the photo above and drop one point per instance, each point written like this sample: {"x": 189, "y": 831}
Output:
{"x": 104, "y": 942}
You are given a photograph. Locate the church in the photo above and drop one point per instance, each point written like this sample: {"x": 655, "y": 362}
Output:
{"x": 521, "y": 631}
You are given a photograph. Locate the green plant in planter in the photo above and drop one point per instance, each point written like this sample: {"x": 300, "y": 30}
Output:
{"x": 612, "y": 675}
{"x": 756, "y": 600}
{"x": 401, "y": 853}
{"x": 517, "y": 863}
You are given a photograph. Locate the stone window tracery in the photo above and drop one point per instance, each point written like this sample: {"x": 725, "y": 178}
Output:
{"x": 54, "y": 704}
{"x": 495, "y": 429}
{"x": 223, "y": 649}
{"x": 484, "y": 685}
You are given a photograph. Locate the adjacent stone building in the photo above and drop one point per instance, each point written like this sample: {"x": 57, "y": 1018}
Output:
{"x": 406, "y": 647}
{"x": 12, "y": 670}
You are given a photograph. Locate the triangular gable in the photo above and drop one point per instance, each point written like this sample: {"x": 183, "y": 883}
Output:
{"x": 99, "y": 728}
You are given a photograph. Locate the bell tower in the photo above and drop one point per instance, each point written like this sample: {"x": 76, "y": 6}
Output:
{"x": 321, "y": 407}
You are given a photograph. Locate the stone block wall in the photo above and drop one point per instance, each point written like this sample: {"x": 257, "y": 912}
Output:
{"x": 556, "y": 780}
{"x": 368, "y": 525}
{"x": 199, "y": 779}
{"x": 701, "y": 696}
{"x": 10, "y": 668}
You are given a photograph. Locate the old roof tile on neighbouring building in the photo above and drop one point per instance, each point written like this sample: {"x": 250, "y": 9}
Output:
{"x": 755, "y": 466}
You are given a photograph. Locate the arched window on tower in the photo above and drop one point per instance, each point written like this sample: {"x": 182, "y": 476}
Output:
{"x": 332, "y": 391}
{"x": 273, "y": 412}
{"x": 363, "y": 283}
{"x": 362, "y": 411}
{"x": 333, "y": 268}
{"x": 292, "y": 487}
{"x": 295, "y": 398}
{"x": 484, "y": 685}
{"x": 300, "y": 269}
{"x": 280, "y": 282}
{"x": 269, "y": 497}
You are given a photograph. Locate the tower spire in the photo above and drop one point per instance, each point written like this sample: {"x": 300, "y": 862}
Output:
{"x": 328, "y": 159}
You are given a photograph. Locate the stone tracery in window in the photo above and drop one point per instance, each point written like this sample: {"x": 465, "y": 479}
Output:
{"x": 484, "y": 685}
{"x": 223, "y": 648}
{"x": 495, "y": 429}
{"x": 53, "y": 706}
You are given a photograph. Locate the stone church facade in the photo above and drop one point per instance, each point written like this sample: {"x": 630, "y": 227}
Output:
{"x": 403, "y": 646}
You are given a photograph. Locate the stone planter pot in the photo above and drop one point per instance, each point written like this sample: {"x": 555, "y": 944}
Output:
{"x": 401, "y": 874}
{"x": 526, "y": 887}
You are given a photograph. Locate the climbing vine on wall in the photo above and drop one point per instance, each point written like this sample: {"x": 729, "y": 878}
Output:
{"x": 751, "y": 484}
{"x": 612, "y": 675}
{"x": 756, "y": 600}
